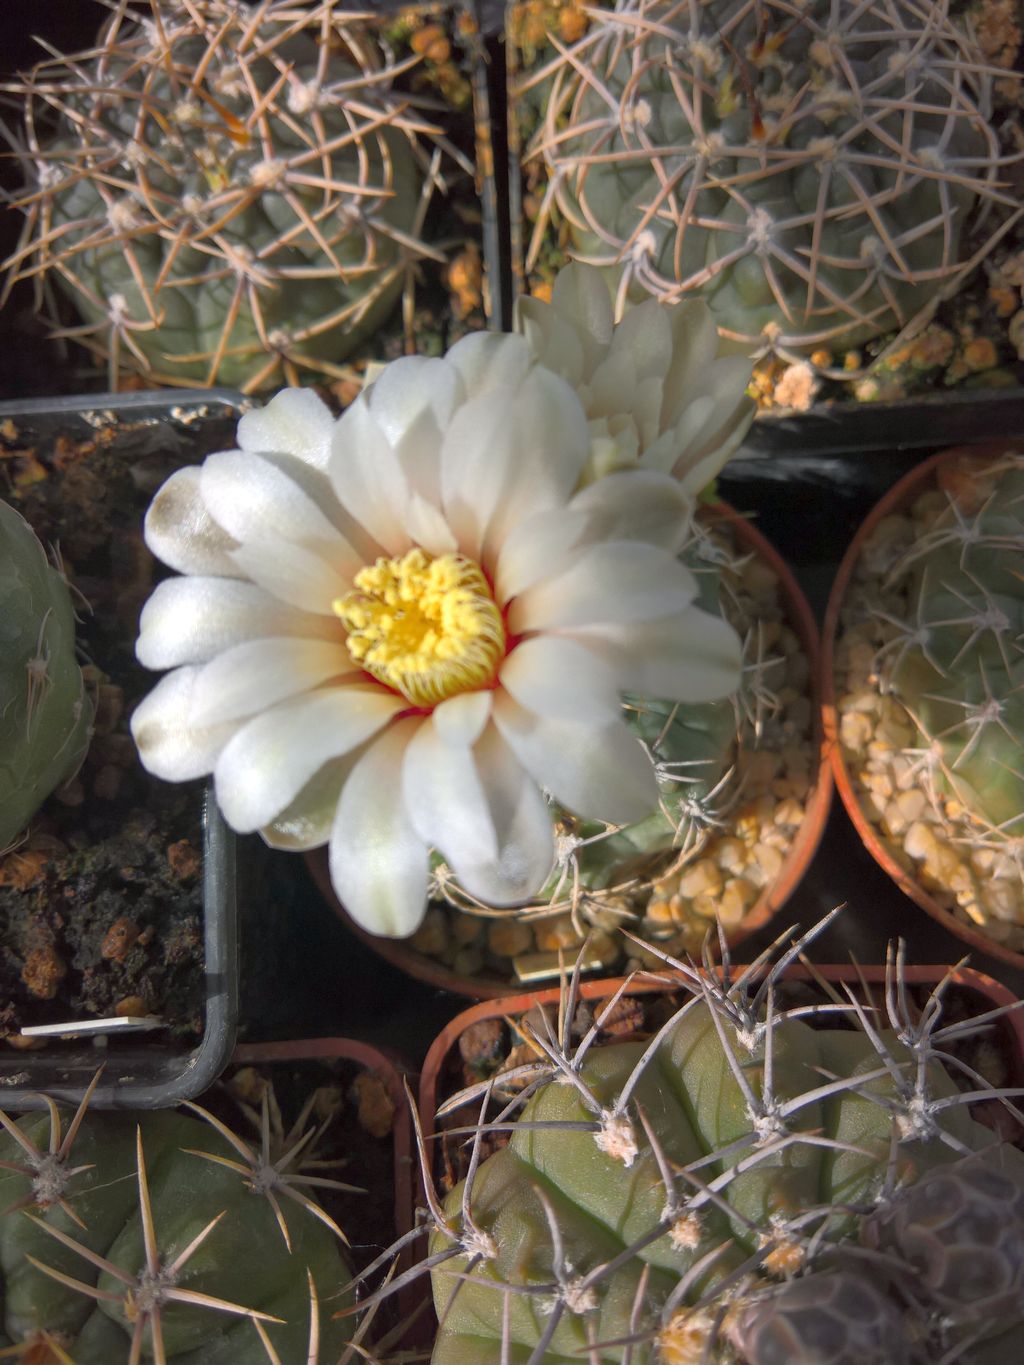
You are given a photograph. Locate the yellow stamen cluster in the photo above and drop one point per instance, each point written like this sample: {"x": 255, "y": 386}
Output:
{"x": 428, "y": 628}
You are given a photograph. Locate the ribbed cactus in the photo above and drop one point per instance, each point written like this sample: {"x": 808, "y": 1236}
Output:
{"x": 957, "y": 663}
{"x": 814, "y": 170}
{"x": 226, "y": 193}
{"x": 45, "y": 712}
{"x": 758, "y": 1183}
{"x": 130, "y": 1238}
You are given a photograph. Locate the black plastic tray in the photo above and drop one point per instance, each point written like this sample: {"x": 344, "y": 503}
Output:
{"x": 149, "y": 1073}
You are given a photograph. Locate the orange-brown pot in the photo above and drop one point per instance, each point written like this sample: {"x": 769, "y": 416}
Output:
{"x": 795, "y": 864}
{"x": 899, "y": 496}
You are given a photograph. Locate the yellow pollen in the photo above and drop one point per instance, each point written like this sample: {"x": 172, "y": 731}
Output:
{"x": 429, "y": 628}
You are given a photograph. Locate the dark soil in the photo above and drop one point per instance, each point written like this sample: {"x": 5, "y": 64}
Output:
{"x": 101, "y": 903}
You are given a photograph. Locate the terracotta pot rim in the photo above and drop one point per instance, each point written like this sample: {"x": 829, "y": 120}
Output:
{"x": 386, "y": 1064}
{"x": 912, "y": 482}
{"x": 652, "y": 983}
{"x": 797, "y": 858}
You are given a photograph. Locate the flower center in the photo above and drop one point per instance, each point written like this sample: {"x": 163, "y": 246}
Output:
{"x": 429, "y": 628}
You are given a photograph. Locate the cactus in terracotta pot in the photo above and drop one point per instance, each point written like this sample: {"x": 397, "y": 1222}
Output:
{"x": 765, "y": 1179}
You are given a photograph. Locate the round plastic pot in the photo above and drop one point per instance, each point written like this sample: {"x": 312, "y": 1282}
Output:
{"x": 801, "y": 620}
{"x": 917, "y": 481}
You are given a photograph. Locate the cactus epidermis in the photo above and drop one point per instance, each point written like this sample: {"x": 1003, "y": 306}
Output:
{"x": 45, "y": 712}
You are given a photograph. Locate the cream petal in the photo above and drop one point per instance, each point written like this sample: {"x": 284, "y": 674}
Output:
{"x": 180, "y": 531}
{"x": 641, "y": 505}
{"x": 613, "y": 387}
{"x": 410, "y": 386}
{"x": 522, "y": 824}
{"x": 169, "y": 745}
{"x": 291, "y": 573}
{"x": 645, "y": 336}
{"x": 694, "y": 347}
{"x": 552, "y": 339}
{"x": 535, "y": 549}
{"x": 307, "y": 822}
{"x": 378, "y": 862}
{"x": 508, "y": 456}
{"x": 295, "y": 422}
{"x": 254, "y": 676}
{"x": 252, "y": 498}
{"x": 268, "y": 763}
{"x": 490, "y": 360}
{"x": 613, "y": 581}
{"x": 460, "y": 720}
{"x": 692, "y": 656}
{"x": 190, "y": 620}
{"x": 428, "y": 528}
{"x": 597, "y": 771}
{"x": 582, "y": 297}
{"x": 367, "y": 477}
{"x": 553, "y": 676}
{"x": 445, "y": 799}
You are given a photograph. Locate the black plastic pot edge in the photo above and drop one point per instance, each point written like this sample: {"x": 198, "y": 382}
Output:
{"x": 178, "y": 1075}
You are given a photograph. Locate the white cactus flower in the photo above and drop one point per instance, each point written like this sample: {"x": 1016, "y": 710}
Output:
{"x": 396, "y": 629}
{"x": 656, "y": 389}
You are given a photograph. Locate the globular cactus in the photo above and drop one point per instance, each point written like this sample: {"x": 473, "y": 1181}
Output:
{"x": 759, "y": 1182}
{"x": 957, "y": 664}
{"x": 45, "y": 712}
{"x": 820, "y": 173}
{"x": 144, "y": 1237}
{"x": 226, "y": 194}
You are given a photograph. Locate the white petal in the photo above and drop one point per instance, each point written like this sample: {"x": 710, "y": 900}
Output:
{"x": 581, "y": 295}
{"x": 635, "y": 505}
{"x": 490, "y": 360}
{"x": 367, "y": 478}
{"x": 616, "y": 581}
{"x": 522, "y": 824}
{"x": 291, "y": 573}
{"x": 169, "y": 745}
{"x": 256, "y": 675}
{"x": 445, "y": 799}
{"x": 307, "y": 822}
{"x": 180, "y": 531}
{"x": 295, "y": 422}
{"x": 461, "y": 719}
{"x": 536, "y": 548}
{"x": 645, "y": 336}
{"x": 600, "y": 772}
{"x": 508, "y": 456}
{"x": 427, "y": 527}
{"x": 412, "y": 402}
{"x": 190, "y": 620}
{"x": 252, "y": 498}
{"x": 552, "y": 339}
{"x": 694, "y": 348}
{"x": 378, "y": 862}
{"x": 692, "y": 656}
{"x": 558, "y": 677}
{"x": 265, "y": 767}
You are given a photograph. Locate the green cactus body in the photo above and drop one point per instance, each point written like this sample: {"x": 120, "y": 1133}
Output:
{"x": 45, "y": 713}
{"x": 244, "y": 1260}
{"x": 809, "y": 170}
{"x": 574, "y": 1216}
{"x": 958, "y": 666}
{"x": 213, "y": 232}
